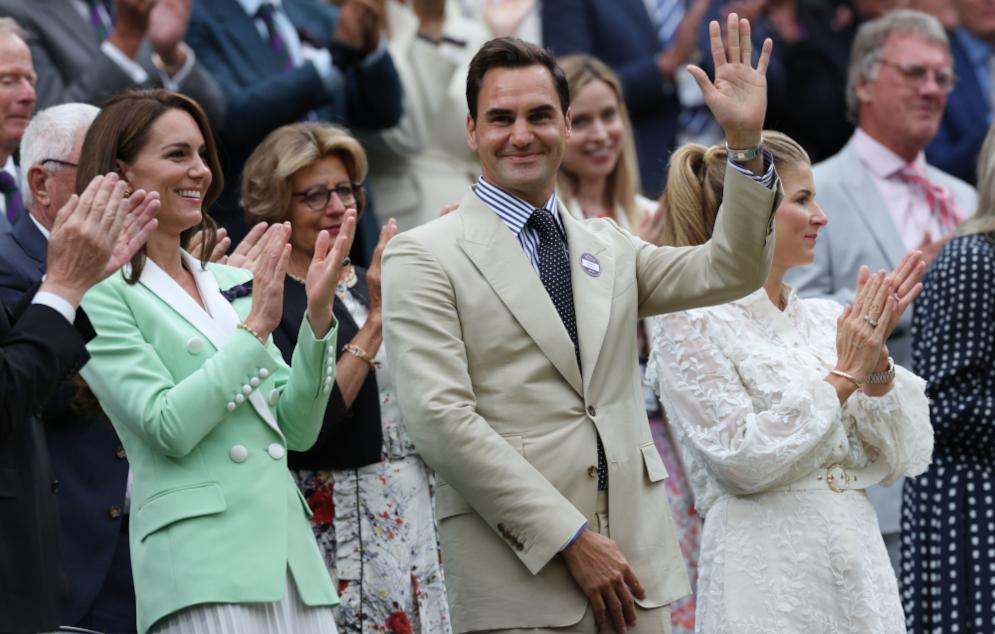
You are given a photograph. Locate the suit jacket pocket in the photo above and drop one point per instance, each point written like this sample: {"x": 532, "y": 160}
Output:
{"x": 448, "y": 502}
{"x": 10, "y": 483}
{"x": 178, "y": 504}
{"x": 655, "y": 469}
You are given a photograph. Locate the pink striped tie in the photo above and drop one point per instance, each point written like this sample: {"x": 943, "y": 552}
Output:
{"x": 941, "y": 202}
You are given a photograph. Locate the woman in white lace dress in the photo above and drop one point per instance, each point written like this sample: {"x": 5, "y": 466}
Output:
{"x": 786, "y": 410}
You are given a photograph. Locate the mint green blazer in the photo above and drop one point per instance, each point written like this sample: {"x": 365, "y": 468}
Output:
{"x": 206, "y": 414}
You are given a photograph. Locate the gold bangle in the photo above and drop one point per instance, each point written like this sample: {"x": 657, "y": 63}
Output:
{"x": 848, "y": 377}
{"x": 361, "y": 354}
{"x": 249, "y": 329}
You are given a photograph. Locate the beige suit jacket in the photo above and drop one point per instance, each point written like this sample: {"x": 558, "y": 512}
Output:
{"x": 488, "y": 383}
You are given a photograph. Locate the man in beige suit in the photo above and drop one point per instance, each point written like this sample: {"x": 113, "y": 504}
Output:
{"x": 510, "y": 329}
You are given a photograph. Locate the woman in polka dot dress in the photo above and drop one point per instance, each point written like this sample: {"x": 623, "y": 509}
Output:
{"x": 948, "y": 514}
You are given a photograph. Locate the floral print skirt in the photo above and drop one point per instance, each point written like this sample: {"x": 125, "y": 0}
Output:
{"x": 376, "y": 529}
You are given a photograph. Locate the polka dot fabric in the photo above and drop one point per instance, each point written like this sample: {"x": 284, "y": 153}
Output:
{"x": 948, "y": 513}
{"x": 554, "y": 271}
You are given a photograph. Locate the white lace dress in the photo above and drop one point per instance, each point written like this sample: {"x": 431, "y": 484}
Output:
{"x": 743, "y": 386}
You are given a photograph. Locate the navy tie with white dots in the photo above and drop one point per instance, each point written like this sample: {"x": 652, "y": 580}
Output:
{"x": 554, "y": 271}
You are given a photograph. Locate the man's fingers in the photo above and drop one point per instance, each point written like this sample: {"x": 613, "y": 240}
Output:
{"x": 732, "y": 34}
{"x": 614, "y": 609}
{"x": 715, "y": 40}
{"x": 745, "y": 44}
{"x": 598, "y": 607}
{"x": 765, "y": 52}
{"x": 628, "y": 605}
{"x": 86, "y": 198}
{"x": 632, "y": 581}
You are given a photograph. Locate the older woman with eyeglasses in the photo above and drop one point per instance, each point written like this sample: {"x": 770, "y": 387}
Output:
{"x": 371, "y": 494}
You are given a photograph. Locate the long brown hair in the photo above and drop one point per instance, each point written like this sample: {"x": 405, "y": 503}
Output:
{"x": 623, "y": 182}
{"x": 120, "y": 132}
{"x": 696, "y": 180}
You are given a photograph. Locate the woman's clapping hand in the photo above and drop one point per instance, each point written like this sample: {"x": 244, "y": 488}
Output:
{"x": 268, "y": 277}
{"x": 324, "y": 271}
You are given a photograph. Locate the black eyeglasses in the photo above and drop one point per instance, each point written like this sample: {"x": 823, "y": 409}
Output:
{"x": 317, "y": 198}
{"x": 918, "y": 75}
{"x": 58, "y": 162}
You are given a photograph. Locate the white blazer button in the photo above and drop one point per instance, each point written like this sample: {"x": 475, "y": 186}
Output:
{"x": 263, "y": 373}
{"x": 254, "y": 382}
{"x": 246, "y": 389}
{"x": 330, "y": 371}
{"x": 238, "y": 453}
{"x": 239, "y": 398}
{"x": 230, "y": 406}
{"x": 274, "y": 396}
{"x": 275, "y": 451}
{"x": 195, "y": 345}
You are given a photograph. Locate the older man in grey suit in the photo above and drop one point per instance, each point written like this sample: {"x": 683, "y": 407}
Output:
{"x": 882, "y": 198}
{"x": 86, "y": 50}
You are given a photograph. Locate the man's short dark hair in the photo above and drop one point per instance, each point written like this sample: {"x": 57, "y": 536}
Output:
{"x": 511, "y": 52}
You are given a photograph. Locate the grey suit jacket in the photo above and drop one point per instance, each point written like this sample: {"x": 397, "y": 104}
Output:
{"x": 861, "y": 231}
{"x": 71, "y": 67}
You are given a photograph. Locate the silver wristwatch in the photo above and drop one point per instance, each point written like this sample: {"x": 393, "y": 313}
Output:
{"x": 884, "y": 377}
{"x": 745, "y": 155}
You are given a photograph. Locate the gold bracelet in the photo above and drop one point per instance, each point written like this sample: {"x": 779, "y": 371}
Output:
{"x": 361, "y": 354}
{"x": 247, "y": 328}
{"x": 848, "y": 377}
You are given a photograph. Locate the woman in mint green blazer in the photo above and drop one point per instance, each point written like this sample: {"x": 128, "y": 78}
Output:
{"x": 184, "y": 366}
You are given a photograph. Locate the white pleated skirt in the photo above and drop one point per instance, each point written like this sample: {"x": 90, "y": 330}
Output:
{"x": 287, "y": 616}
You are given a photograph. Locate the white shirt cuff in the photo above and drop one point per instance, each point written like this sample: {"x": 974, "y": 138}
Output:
{"x": 769, "y": 175}
{"x": 131, "y": 68}
{"x": 173, "y": 83}
{"x": 56, "y": 303}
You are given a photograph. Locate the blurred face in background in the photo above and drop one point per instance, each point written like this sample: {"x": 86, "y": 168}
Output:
{"x": 902, "y": 107}
{"x": 978, "y": 17}
{"x": 798, "y": 219}
{"x": 595, "y": 143}
{"x": 17, "y": 92}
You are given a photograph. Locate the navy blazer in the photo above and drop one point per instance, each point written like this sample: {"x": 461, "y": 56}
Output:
{"x": 38, "y": 350}
{"x": 351, "y": 437}
{"x": 622, "y": 34}
{"x": 85, "y": 454}
{"x": 955, "y": 147}
{"x": 261, "y": 96}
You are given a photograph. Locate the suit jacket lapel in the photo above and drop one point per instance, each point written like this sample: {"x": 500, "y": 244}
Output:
{"x": 32, "y": 242}
{"x": 74, "y": 25}
{"x": 872, "y": 210}
{"x": 226, "y": 320}
{"x": 592, "y": 289}
{"x": 500, "y": 259}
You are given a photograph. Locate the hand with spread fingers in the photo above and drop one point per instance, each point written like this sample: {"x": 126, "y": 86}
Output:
{"x": 323, "y": 273}
{"x": 221, "y": 244}
{"x": 738, "y": 96}
{"x": 84, "y": 246}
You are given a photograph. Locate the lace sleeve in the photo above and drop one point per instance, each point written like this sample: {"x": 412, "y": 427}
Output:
{"x": 896, "y": 424}
{"x": 753, "y": 432}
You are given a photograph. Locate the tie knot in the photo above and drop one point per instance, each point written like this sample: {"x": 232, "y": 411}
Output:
{"x": 7, "y": 183}
{"x": 542, "y": 221}
{"x": 265, "y": 12}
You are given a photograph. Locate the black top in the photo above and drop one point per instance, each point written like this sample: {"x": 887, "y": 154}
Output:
{"x": 350, "y": 437}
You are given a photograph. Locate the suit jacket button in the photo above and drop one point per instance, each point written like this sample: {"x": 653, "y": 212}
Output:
{"x": 195, "y": 345}
{"x": 238, "y": 454}
{"x": 55, "y": 486}
{"x": 120, "y": 453}
{"x": 502, "y": 529}
{"x": 519, "y": 546}
{"x": 591, "y": 411}
{"x": 592, "y": 471}
{"x": 276, "y": 451}
{"x": 114, "y": 512}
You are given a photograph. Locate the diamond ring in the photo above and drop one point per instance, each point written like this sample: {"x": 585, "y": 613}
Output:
{"x": 871, "y": 321}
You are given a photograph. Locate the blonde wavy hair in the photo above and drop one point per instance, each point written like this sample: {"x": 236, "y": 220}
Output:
{"x": 983, "y": 220}
{"x": 266, "y": 186}
{"x": 623, "y": 182}
{"x": 695, "y": 183}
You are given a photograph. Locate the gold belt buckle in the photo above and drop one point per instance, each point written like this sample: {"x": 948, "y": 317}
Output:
{"x": 838, "y": 478}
